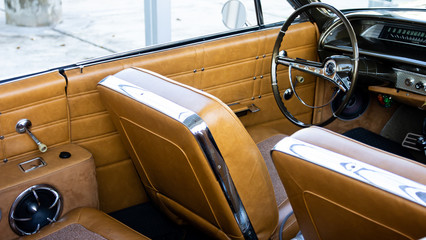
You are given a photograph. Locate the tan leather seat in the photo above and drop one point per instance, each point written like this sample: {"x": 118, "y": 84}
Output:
{"x": 89, "y": 224}
{"x": 195, "y": 158}
{"x": 343, "y": 189}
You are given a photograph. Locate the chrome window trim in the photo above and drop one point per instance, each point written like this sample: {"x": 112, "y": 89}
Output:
{"x": 357, "y": 170}
{"x": 22, "y": 77}
{"x": 201, "y": 133}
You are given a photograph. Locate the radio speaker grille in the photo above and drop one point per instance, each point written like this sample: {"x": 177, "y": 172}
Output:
{"x": 35, "y": 208}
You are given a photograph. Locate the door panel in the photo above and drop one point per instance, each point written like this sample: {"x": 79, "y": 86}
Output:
{"x": 40, "y": 99}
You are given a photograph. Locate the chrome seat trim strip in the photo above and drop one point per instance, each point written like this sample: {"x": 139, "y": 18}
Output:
{"x": 363, "y": 172}
{"x": 201, "y": 133}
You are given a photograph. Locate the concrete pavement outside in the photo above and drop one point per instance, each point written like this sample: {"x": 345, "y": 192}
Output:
{"x": 94, "y": 28}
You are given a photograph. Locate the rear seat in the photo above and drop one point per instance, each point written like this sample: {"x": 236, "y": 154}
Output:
{"x": 86, "y": 223}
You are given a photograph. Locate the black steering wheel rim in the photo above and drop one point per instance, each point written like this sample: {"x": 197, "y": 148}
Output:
{"x": 355, "y": 63}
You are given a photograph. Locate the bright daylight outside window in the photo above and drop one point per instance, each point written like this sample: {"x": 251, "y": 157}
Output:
{"x": 351, "y": 4}
{"x": 70, "y": 31}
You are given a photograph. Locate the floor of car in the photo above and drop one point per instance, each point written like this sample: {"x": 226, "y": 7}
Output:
{"x": 151, "y": 222}
{"x": 405, "y": 120}
{"x": 378, "y": 141}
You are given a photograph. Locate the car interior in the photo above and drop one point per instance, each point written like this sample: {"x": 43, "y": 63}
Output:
{"x": 309, "y": 129}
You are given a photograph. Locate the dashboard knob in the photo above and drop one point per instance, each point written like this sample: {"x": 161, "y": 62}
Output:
{"x": 420, "y": 85}
{"x": 409, "y": 82}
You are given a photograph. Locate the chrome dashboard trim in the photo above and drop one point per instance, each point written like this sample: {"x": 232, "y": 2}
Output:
{"x": 357, "y": 170}
{"x": 201, "y": 133}
{"x": 402, "y": 76}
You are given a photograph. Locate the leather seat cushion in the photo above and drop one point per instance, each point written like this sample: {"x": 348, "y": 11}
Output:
{"x": 86, "y": 223}
{"x": 332, "y": 205}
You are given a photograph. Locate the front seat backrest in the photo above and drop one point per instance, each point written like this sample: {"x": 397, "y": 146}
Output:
{"x": 177, "y": 137}
{"x": 369, "y": 195}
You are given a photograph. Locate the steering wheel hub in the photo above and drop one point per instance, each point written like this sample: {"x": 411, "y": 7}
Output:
{"x": 330, "y": 68}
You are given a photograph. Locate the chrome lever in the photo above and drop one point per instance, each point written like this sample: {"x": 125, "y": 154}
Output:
{"x": 23, "y": 126}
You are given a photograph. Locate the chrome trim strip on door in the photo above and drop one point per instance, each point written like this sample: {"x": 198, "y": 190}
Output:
{"x": 363, "y": 172}
{"x": 203, "y": 136}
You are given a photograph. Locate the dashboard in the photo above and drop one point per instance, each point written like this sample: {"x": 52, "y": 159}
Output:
{"x": 401, "y": 34}
{"x": 392, "y": 47}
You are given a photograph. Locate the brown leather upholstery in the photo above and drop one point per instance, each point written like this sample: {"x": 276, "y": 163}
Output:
{"x": 69, "y": 110}
{"x": 331, "y": 205}
{"x": 173, "y": 167}
{"x": 74, "y": 178}
{"x": 94, "y": 221}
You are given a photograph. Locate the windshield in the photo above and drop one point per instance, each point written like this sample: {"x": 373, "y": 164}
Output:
{"x": 351, "y": 4}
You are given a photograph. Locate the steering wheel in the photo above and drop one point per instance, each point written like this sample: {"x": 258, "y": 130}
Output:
{"x": 340, "y": 70}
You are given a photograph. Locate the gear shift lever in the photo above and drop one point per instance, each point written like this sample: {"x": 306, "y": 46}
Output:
{"x": 23, "y": 126}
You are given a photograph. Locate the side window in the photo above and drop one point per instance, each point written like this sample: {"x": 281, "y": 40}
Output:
{"x": 275, "y": 11}
{"x": 198, "y": 18}
{"x": 40, "y": 35}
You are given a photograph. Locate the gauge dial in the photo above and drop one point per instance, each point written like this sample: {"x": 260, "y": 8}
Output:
{"x": 402, "y": 34}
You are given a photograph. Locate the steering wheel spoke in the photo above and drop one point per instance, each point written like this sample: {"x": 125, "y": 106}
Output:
{"x": 311, "y": 67}
{"x": 342, "y": 83}
{"x": 330, "y": 71}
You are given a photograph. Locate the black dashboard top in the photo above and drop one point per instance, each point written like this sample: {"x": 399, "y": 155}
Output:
{"x": 391, "y": 45}
{"x": 385, "y": 34}
{"x": 403, "y": 34}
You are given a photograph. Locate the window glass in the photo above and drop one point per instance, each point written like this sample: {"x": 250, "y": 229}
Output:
{"x": 197, "y": 18}
{"x": 275, "y": 11}
{"x": 88, "y": 29}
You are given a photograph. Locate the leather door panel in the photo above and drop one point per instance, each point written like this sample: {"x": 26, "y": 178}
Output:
{"x": 42, "y": 100}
